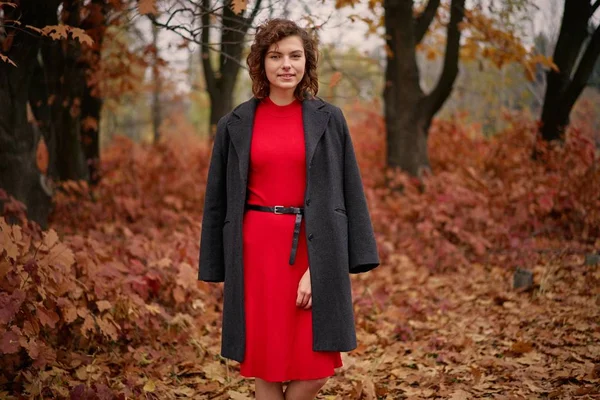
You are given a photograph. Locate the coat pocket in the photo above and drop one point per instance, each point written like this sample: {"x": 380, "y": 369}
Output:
{"x": 341, "y": 211}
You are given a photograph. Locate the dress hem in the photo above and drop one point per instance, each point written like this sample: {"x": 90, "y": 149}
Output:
{"x": 300, "y": 378}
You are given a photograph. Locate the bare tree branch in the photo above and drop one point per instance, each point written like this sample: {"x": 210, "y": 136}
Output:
{"x": 594, "y": 8}
{"x": 423, "y": 21}
{"x": 209, "y": 73}
{"x": 584, "y": 69}
{"x": 443, "y": 88}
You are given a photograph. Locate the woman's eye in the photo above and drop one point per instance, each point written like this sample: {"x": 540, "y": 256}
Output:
{"x": 296, "y": 56}
{"x": 274, "y": 57}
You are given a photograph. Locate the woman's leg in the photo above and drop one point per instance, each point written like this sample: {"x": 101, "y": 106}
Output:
{"x": 304, "y": 390}
{"x": 268, "y": 390}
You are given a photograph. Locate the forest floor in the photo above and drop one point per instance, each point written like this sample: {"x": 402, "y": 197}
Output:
{"x": 121, "y": 313}
{"x": 447, "y": 335}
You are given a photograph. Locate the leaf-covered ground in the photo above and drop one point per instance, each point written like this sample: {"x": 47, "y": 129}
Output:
{"x": 107, "y": 304}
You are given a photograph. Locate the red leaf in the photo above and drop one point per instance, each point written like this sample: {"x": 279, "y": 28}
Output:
{"x": 10, "y": 343}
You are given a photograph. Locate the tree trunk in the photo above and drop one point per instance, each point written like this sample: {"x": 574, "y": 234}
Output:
{"x": 56, "y": 99}
{"x": 69, "y": 86}
{"x": 406, "y": 133}
{"x": 19, "y": 175}
{"x": 91, "y": 107}
{"x": 221, "y": 104}
{"x": 156, "y": 79}
{"x": 91, "y": 103}
{"x": 575, "y": 65}
{"x": 220, "y": 84}
{"x": 408, "y": 111}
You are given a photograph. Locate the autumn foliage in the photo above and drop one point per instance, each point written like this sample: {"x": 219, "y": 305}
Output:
{"x": 106, "y": 304}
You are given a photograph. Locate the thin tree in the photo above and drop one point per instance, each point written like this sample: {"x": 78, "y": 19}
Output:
{"x": 221, "y": 82}
{"x": 156, "y": 86}
{"x": 194, "y": 21}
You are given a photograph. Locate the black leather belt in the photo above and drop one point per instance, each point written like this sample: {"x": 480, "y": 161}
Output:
{"x": 284, "y": 210}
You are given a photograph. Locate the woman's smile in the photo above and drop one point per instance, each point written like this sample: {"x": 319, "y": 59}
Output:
{"x": 285, "y": 64}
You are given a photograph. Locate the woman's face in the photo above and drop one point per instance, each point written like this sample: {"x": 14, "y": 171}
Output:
{"x": 284, "y": 63}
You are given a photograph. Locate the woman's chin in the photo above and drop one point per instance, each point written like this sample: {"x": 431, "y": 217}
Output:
{"x": 285, "y": 86}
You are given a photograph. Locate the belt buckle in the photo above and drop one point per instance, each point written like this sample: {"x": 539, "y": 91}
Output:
{"x": 275, "y": 210}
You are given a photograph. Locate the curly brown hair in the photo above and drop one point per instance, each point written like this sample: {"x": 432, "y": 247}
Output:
{"x": 271, "y": 32}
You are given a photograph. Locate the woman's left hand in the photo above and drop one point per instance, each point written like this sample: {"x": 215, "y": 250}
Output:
{"x": 304, "y": 298}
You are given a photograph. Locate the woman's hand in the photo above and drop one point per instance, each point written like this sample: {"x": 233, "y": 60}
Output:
{"x": 304, "y": 298}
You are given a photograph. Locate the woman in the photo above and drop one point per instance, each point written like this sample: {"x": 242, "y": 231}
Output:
{"x": 285, "y": 222}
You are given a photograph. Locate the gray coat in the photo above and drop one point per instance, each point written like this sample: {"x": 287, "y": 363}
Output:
{"x": 340, "y": 236}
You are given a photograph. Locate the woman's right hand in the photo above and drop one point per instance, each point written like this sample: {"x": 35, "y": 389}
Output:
{"x": 304, "y": 297}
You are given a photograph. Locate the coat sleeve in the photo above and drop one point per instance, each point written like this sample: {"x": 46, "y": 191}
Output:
{"x": 211, "y": 260}
{"x": 362, "y": 247}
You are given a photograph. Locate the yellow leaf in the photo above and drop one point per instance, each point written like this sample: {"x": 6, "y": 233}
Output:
{"x": 107, "y": 328}
{"x": 147, "y": 7}
{"x": 215, "y": 371}
{"x": 460, "y": 395}
{"x": 83, "y": 37}
{"x": 55, "y": 31}
{"x": 345, "y": 3}
{"x": 61, "y": 255}
{"x": 153, "y": 309}
{"x": 150, "y": 386}
{"x": 69, "y": 312}
{"x": 237, "y": 6}
{"x": 103, "y": 305}
{"x": 6, "y": 240}
{"x": 81, "y": 373}
{"x": 369, "y": 389}
{"x": 50, "y": 238}
{"x": 237, "y": 395}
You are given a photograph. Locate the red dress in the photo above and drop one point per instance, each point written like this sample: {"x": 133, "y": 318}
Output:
{"x": 278, "y": 333}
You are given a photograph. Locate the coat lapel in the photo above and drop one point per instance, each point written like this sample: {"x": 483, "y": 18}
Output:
{"x": 240, "y": 130}
{"x": 315, "y": 121}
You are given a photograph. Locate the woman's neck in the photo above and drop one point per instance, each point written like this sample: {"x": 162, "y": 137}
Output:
{"x": 281, "y": 97}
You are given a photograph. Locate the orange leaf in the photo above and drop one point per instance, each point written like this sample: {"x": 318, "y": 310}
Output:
{"x": 335, "y": 79}
{"x": 89, "y": 124}
{"x": 41, "y": 156}
{"x": 7, "y": 60}
{"x": 237, "y": 6}
{"x": 147, "y": 7}
{"x": 521, "y": 347}
{"x": 56, "y": 31}
{"x": 103, "y": 305}
{"x": 79, "y": 34}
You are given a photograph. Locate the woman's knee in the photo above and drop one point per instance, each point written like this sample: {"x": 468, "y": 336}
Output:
{"x": 317, "y": 383}
{"x": 268, "y": 390}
